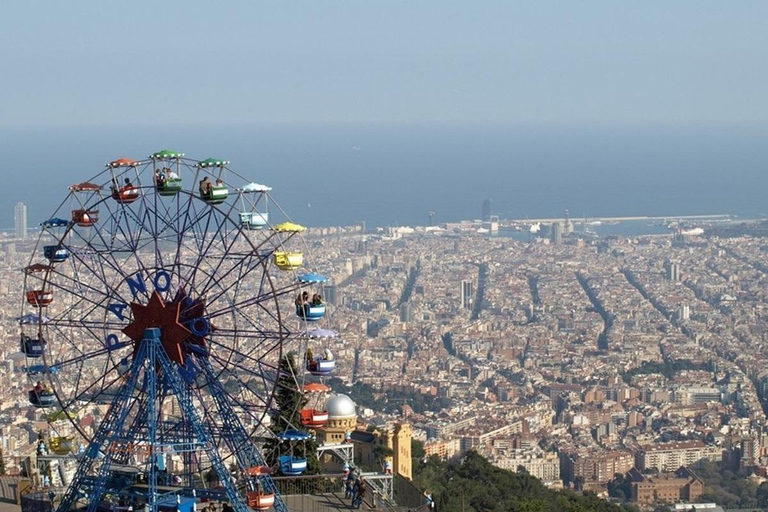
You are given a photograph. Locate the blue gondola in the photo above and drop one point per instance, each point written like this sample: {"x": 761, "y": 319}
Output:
{"x": 312, "y": 278}
{"x": 30, "y": 319}
{"x": 321, "y": 366}
{"x": 55, "y": 223}
{"x": 37, "y": 369}
{"x": 42, "y": 398}
{"x": 319, "y": 334}
{"x": 294, "y": 435}
{"x": 31, "y": 347}
{"x": 291, "y": 464}
{"x": 315, "y": 310}
{"x": 311, "y": 312}
{"x": 55, "y": 253}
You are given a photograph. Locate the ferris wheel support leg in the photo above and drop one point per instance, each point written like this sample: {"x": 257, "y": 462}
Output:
{"x": 174, "y": 381}
{"x": 151, "y": 390}
{"x": 189, "y": 457}
{"x": 237, "y": 438}
{"x": 108, "y": 429}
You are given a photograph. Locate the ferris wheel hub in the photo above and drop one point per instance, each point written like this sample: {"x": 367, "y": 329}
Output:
{"x": 165, "y": 317}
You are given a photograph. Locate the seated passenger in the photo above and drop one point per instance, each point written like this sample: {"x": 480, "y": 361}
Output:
{"x": 205, "y": 188}
{"x": 170, "y": 174}
{"x": 317, "y": 299}
{"x": 328, "y": 355}
{"x": 126, "y": 190}
{"x": 159, "y": 178}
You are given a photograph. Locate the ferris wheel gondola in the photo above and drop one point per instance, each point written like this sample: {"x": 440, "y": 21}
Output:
{"x": 123, "y": 190}
{"x": 315, "y": 415}
{"x": 254, "y": 206}
{"x": 323, "y": 364}
{"x": 167, "y": 177}
{"x": 212, "y": 189}
{"x": 291, "y": 464}
{"x": 84, "y": 194}
{"x": 310, "y": 309}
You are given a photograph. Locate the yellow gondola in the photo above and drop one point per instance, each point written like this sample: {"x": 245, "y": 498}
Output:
{"x": 288, "y": 227}
{"x": 62, "y": 445}
{"x": 288, "y": 260}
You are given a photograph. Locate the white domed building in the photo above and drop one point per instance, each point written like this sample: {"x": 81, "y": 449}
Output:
{"x": 342, "y": 418}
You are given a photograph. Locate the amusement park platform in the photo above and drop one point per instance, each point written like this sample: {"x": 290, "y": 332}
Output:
{"x": 318, "y": 503}
{"x": 9, "y": 507}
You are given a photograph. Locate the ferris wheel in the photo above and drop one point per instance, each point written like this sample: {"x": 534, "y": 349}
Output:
{"x": 157, "y": 305}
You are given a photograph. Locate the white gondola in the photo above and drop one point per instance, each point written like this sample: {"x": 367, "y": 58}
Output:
{"x": 254, "y": 210}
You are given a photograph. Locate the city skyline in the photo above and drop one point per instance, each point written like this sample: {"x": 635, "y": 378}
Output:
{"x": 387, "y": 240}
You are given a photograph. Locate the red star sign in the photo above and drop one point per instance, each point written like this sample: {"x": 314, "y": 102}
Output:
{"x": 166, "y": 318}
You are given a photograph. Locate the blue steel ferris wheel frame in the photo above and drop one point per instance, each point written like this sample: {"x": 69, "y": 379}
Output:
{"x": 187, "y": 397}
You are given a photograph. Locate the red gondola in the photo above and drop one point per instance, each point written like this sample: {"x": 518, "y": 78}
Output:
{"x": 40, "y": 298}
{"x": 85, "y": 218}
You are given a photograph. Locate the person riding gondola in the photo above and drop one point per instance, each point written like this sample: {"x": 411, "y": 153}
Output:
{"x": 206, "y": 187}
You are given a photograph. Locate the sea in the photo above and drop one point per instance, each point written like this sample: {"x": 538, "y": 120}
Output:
{"x": 395, "y": 174}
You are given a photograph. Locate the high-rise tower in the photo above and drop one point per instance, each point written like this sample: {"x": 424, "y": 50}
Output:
{"x": 486, "y": 210}
{"x": 20, "y": 220}
{"x": 556, "y": 234}
{"x": 466, "y": 294}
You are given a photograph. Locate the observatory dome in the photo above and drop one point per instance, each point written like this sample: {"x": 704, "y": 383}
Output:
{"x": 340, "y": 406}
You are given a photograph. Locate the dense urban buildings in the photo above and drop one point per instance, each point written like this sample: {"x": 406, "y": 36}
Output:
{"x": 574, "y": 361}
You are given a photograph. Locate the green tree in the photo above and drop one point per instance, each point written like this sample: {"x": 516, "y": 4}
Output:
{"x": 417, "y": 449}
{"x": 473, "y": 484}
{"x": 762, "y": 495}
{"x": 289, "y": 401}
{"x": 381, "y": 452}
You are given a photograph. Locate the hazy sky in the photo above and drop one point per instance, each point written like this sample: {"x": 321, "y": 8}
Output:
{"x": 201, "y": 62}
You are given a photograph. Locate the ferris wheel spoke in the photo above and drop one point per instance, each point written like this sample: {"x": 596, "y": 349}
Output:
{"x": 216, "y": 276}
{"x": 127, "y": 219}
{"x": 66, "y": 322}
{"x": 113, "y": 265}
{"x": 243, "y": 268}
{"x": 77, "y": 286}
{"x": 261, "y": 334}
{"x": 265, "y": 294}
{"x": 253, "y": 301}
{"x": 228, "y": 375}
{"x": 78, "y": 310}
{"x": 107, "y": 249}
{"x": 81, "y": 358}
{"x": 93, "y": 391}
{"x": 257, "y": 359}
{"x": 208, "y": 245}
